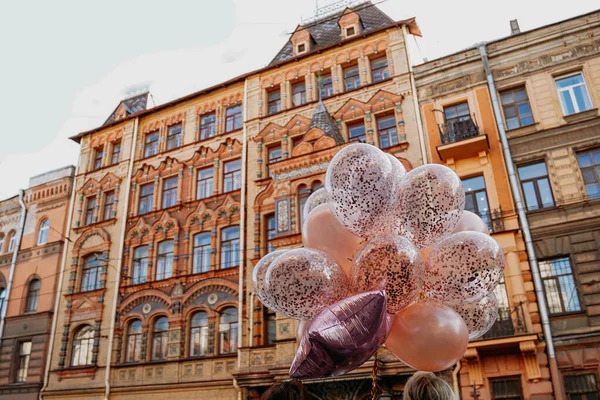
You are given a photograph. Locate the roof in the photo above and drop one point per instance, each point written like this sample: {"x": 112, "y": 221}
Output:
{"x": 324, "y": 121}
{"x": 326, "y": 31}
{"x": 132, "y": 105}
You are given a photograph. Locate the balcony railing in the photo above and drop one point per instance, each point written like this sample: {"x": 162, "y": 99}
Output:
{"x": 456, "y": 131}
{"x": 509, "y": 323}
{"x": 494, "y": 219}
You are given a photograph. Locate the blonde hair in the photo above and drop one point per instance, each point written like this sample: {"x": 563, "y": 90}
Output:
{"x": 427, "y": 386}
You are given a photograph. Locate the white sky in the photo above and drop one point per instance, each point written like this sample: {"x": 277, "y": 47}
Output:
{"x": 65, "y": 64}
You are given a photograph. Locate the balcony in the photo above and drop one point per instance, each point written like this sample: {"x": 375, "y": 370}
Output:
{"x": 510, "y": 322}
{"x": 494, "y": 219}
{"x": 461, "y": 139}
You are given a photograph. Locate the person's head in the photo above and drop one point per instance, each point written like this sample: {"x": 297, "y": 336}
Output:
{"x": 427, "y": 386}
{"x": 292, "y": 390}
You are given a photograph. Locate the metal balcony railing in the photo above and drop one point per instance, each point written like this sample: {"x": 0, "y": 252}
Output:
{"x": 456, "y": 131}
{"x": 494, "y": 219}
{"x": 509, "y": 323}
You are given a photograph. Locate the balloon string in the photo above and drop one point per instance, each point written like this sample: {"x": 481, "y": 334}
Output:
{"x": 374, "y": 372}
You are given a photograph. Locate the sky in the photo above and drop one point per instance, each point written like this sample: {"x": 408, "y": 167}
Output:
{"x": 66, "y": 64}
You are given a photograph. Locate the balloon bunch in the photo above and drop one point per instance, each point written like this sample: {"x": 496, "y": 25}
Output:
{"x": 389, "y": 257}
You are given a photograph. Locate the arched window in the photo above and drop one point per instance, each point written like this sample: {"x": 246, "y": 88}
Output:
{"x": 199, "y": 334}
{"x": 2, "y": 297}
{"x": 33, "y": 294}
{"x": 92, "y": 269}
{"x": 303, "y": 194}
{"x": 228, "y": 331}
{"x": 43, "y": 233}
{"x": 230, "y": 247}
{"x": 12, "y": 241}
{"x": 164, "y": 265}
{"x": 1, "y": 242}
{"x": 201, "y": 253}
{"x": 134, "y": 341}
{"x": 316, "y": 185}
{"x": 160, "y": 336}
{"x": 83, "y": 343}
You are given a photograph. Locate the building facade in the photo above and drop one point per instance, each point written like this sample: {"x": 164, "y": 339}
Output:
{"x": 32, "y": 236}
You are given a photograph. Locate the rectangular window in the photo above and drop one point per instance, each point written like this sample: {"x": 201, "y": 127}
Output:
{"x": 109, "y": 205}
{"x": 204, "y": 187}
{"x": 207, "y": 126}
{"x": 326, "y": 86}
{"x": 24, "y": 356}
{"x": 116, "y": 153}
{"x": 174, "y": 137}
{"x": 301, "y": 48}
{"x": 140, "y": 265}
{"x": 90, "y": 210}
{"x": 146, "y": 198}
{"x": 202, "y": 251}
{"x": 270, "y": 318}
{"x": 573, "y": 94}
{"x": 506, "y": 388}
{"x": 351, "y": 78}
{"x": 476, "y": 199}
{"x": 350, "y": 31}
{"x": 559, "y": 285}
{"x": 517, "y": 111}
{"x": 91, "y": 276}
{"x": 232, "y": 175}
{"x": 457, "y": 113}
{"x": 589, "y": 163}
{"x": 388, "y": 135}
{"x": 151, "y": 144}
{"x": 298, "y": 94}
{"x": 98, "y": 155}
{"x": 230, "y": 247}
{"x": 379, "y": 69}
{"x": 271, "y": 230}
{"x": 356, "y": 132}
{"x": 164, "y": 260}
{"x": 536, "y": 186}
{"x": 274, "y": 101}
{"x": 233, "y": 118}
{"x": 169, "y": 192}
{"x": 275, "y": 154}
{"x": 582, "y": 387}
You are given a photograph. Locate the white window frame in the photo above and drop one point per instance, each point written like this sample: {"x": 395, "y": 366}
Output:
{"x": 571, "y": 93}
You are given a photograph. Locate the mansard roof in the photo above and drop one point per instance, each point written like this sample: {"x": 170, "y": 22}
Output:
{"x": 324, "y": 121}
{"x": 128, "y": 106}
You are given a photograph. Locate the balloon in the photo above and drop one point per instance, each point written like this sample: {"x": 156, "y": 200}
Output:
{"x": 398, "y": 170}
{"x": 360, "y": 183}
{"x": 258, "y": 278}
{"x": 322, "y": 231}
{"x": 479, "y": 316}
{"x": 318, "y": 197}
{"x": 471, "y": 222}
{"x": 349, "y": 332}
{"x": 465, "y": 267}
{"x": 302, "y": 327}
{"x": 429, "y": 204}
{"x": 428, "y": 337}
{"x": 391, "y": 263}
{"x": 302, "y": 282}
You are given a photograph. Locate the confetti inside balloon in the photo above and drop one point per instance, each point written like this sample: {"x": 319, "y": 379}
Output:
{"x": 302, "y": 282}
{"x": 258, "y": 278}
{"x": 479, "y": 316}
{"x": 390, "y": 263}
{"x": 360, "y": 183}
{"x": 465, "y": 267}
{"x": 318, "y": 197}
{"x": 429, "y": 205}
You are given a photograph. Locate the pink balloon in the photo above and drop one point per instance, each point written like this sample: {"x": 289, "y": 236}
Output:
{"x": 258, "y": 278}
{"x": 429, "y": 204}
{"x": 428, "y": 337}
{"x": 471, "y": 222}
{"x": 390, "y": 263}
{"x": 302, "y": 326}
{"x": 302, "y": 282}
{"x": 342, "y": 337}
{"x": 318, "y": 197}
{"x": 322, "y": 231}
{"x": 463, "y": 268}
{"x": 479, "y": 316}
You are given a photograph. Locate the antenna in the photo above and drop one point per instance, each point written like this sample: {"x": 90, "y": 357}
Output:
{"x": 325, "y": 8}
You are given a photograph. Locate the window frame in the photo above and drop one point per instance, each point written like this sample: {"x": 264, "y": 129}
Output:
{"x": 595, "y": 166}
{"x": 2, "y": 240}
{"x": 573, "y": 98}
{"x": 151, "y": 146}
{"x": 136, "y": 354}
{"x": 140, "y": 263}
{"x": 536, "y": 189}
{"x": 235, "y": 118}
{"x": 86, "y": 343}
{"x": 487, "y": 218}
{"x": 167, "y": 258}
{"x": 270, "y": 317}
{"x": 89, "y": 271}
{"x": 199, "y": 253}
{"x": 33, "y": 295}
{"x": 98, "y": 157}
{"x": 12, "y": 241}
{"x": 391, "y": 131}
{"x": 208, "y": 126}
{"x": 90, "y": 213}
{"x": 108, "y": 205}
{"x": 354, "y": 124}
{"x": 512, "y": 378}
{"x": 383, "y": 70}
{"x": 199, "y": 331}
{"x": 23, "y": 360}
{"x": 354, "y": 78}
{"x": 207, "y": 183}
{"x": 115, "y": 152}
{"x": 144, "y": 198}
{"x": 231, "y": 175}
{"x": 273, "y": 104}
{"x": 301, "y": 93}
{"x": 326, "y": 89}
{"x": 233, "y": 326}
{"x": 163, "y": 335}
{"x": 270, "y": 231}
{"x": 515, "y": 106}
{"x": 174, "y": 134}
{"x": 43, "y": 232}
{"x": 169, "y": 194}
{"x": 556, "y": 279}
{"x": 581, "y": 394}
{"x": 229, "y": 245}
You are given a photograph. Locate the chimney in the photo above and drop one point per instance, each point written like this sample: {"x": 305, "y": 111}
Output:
{"x": 514, "y": 27}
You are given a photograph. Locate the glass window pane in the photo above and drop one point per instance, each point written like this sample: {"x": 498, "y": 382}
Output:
{"x": 472, "y": 184}
{"x": 512, "y": 123}
{"x": 582, "y": 98}
{"x": 510, "y": 112}
{"x": 567, "y": 103}
{"x": 545, "y": 193}
{"x": 533, "y": 170}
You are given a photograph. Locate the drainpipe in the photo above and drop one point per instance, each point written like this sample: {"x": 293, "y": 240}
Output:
{"x": 120, "y": 258}
{"x": 13, "y": 265}
{"x": 251, "y": 339}
{"x": 63, "y": 266}
{"x": 413, "y": 88}
{"x": 535, "y": 272}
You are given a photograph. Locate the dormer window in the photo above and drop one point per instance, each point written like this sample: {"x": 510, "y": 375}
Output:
{"x": 349, "y": 23}
{"x": 351, "y": 31}
{"x": 301, "y": 48}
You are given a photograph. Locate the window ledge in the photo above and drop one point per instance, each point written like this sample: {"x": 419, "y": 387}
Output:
{"x": 581, "y": 116}
{"x": 523, "y": 130}
{"x": 95, "y": 224}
